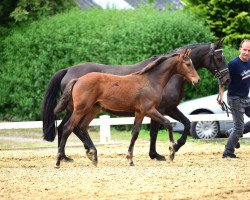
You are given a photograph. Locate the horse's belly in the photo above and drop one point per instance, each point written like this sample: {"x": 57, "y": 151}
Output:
{"x": 118, "y": 105}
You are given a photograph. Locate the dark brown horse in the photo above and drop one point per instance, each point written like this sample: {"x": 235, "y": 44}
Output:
{"x": 208, "y": 55}
{"x": 138, "y": 93}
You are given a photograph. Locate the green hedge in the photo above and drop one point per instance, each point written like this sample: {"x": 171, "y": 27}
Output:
{"x": 32, "y": 54}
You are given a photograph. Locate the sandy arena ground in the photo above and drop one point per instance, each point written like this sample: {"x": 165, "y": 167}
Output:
{"x": 198, "y": 172}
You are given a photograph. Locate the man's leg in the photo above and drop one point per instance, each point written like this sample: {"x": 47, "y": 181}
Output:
{"x": 238, "y": 118}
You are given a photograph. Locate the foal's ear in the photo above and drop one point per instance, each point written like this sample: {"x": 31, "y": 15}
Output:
{"x": 186, "y": 53}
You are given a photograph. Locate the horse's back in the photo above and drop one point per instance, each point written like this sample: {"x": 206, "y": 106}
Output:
{"x": 83, "y": 69}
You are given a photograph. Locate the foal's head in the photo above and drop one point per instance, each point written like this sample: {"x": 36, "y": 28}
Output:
{"x": 186, "y": 69}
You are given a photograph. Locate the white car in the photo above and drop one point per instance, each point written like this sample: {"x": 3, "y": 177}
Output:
{"x": 204, "y": 129}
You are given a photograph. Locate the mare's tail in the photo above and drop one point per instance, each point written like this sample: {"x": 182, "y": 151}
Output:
{"x": 65, "y": 98}
{"x": 49, "y": 103}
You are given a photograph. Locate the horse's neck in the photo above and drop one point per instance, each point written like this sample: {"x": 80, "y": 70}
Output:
{"x": 199, "y": 56}
{"x": 161, "y": 74}
{"x": 138, "y": 66}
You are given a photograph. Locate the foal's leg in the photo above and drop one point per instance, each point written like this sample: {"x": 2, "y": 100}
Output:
{"x": 135, "y": 133}
{"x": 61, "y": 149}
{"x": 67, "y": 129}
{"x": 154, "y": 127}
{"x": 155, "y": 115}
{"x": 91, "y": 151}
{"x": 179, "y": 116}
{"x": 60, "y": 132}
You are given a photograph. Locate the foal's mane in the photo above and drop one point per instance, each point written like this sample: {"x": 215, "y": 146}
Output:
{"x": 155, "y": 63}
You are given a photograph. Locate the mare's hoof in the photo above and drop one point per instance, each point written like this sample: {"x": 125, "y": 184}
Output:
{"x": 67, "y": 159}
{"x": 157, "y": 156}
{"x": 131, "y": 164}
{"x": 57, "y": 166}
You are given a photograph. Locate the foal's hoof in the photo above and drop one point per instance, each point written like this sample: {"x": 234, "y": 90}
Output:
{"x": 155, "y": 155}
{"x": 94, "y": 162}
{"x": 130, "y": 159}
{"x": 91, "y": 154}
{"x": 172, "y": 152}
{"x": 57, "y": 166}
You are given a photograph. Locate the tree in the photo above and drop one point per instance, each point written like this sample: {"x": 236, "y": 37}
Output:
{"x": 23, "y": 10}
{"x": 226, "y": 18}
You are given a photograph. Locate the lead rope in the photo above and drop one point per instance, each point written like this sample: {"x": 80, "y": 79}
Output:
{"x": 224, "y": 106}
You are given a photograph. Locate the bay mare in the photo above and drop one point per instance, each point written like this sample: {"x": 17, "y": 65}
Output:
{"x": 138, "y": 93}
{"x": 203, "y": 55}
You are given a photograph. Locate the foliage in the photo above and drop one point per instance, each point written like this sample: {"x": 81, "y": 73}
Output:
{"x": 26, "y": 9}
{"x": 226, "y": 18}
{"x": 16, "y": 12}
{"x": 33, "y": 53}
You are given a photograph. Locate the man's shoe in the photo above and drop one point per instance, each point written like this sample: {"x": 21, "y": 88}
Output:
{"x": 231, "y": 155}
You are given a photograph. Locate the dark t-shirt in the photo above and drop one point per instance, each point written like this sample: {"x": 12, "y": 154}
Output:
{"x": 240, "y": 77}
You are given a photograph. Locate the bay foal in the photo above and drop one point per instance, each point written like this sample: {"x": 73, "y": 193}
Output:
{"x": 140, "y": 93}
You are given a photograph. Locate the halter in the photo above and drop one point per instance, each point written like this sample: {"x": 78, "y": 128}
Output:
{"x": 218, "y": 73}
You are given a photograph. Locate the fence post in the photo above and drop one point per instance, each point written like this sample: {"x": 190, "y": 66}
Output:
{"x": 104, "y": 129}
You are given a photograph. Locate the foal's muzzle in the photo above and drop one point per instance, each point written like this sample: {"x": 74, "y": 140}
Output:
{"x": 195, "y": 81}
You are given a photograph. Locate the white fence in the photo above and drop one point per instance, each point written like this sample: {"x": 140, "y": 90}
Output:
{"x": 105, "y": 122}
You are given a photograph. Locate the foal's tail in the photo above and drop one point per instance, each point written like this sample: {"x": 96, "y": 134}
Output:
{"x": 49, "y": 103}
{"x": 65, "y": 98}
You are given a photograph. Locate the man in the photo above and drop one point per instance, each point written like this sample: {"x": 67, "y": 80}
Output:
{"x": 237, "y": 98}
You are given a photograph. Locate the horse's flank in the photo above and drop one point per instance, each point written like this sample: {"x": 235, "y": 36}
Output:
{"x": 111, "y": 87}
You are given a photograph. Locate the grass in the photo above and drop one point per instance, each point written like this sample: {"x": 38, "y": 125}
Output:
{"x": 32, "y": 138}
{"x": 143, "y": 135}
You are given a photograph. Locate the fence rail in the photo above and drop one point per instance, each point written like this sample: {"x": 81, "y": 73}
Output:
{"x": 105, "y": 122}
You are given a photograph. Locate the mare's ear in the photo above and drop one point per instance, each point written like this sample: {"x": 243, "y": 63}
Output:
{"x": 219, "y": 43}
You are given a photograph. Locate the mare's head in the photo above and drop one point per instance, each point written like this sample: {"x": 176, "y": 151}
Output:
{"x": 186, "y": 68}
{"x": 217, "y": 62}
{"x": 210, "y": 56}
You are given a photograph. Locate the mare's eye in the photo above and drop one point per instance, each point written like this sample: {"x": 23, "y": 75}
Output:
{"x": 219, "y": 59}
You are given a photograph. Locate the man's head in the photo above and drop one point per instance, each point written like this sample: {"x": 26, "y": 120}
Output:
{"x": 245, "y": 50}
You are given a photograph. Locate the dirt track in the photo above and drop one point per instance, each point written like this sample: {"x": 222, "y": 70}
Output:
{"x": 198, "y": 172}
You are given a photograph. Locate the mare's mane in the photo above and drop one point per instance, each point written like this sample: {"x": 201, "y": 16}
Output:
{"x": 155, "y": 63}
{"x": 189, "y": 46}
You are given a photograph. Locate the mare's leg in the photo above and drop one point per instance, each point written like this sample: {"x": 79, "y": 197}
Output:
{"x": 154, "y": 127}
{"x": 155, "y": 115}
{"x": 135, "y": 133}
{"x": 179, "y": 116}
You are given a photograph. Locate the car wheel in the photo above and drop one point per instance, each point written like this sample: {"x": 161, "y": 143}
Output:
{"x": 205, "y": 129}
